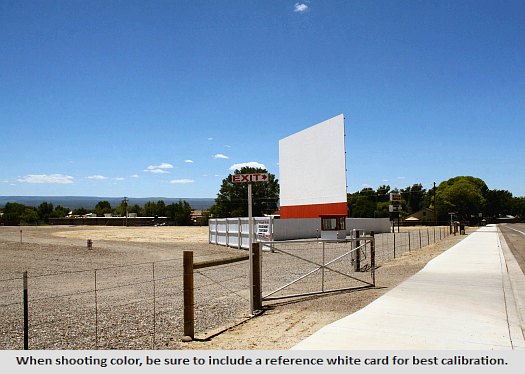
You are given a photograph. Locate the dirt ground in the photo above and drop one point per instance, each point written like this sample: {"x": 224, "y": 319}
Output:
{"x": 281, "y": 324}
{"x": 285, "y": 324}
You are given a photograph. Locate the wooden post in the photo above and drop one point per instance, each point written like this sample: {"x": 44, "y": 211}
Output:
{"x": 409, "y": 248}
{"x": 394, "y": 245}
{"x": 373, "y": 258}
{"x": 257, "y": 281}
{"x": 26, "y": 313}
{"x": 189, "y": 318}
{"x": 357, "y": 256}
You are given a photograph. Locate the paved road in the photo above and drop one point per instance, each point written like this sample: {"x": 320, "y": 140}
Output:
{"x": 514, "y": 234}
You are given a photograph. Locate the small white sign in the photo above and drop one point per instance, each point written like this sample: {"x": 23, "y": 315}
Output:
{"x": 395, "y": 208}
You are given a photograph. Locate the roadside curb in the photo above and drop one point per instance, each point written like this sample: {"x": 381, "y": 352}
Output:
{"x": 514, "y": 286}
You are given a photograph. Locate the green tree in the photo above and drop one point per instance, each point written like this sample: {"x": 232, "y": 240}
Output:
{"x": 518, "y": 207}
{"x": 499, "y": 202}
{"x": 103, "y": 207}
{"x": 382, "y": 210}
{"x": 383, "y": 194}
{"x": 368, "y": 203}
{"x": 152, "y": 209}
{"x": 179, "y": 213}
{"x": 80, "y": 211}
{"x": 136, "y": 208}
{"x": 59, "y": 212}
{"x": 414, "y": 196}
{"x": 13, "y": 213}
{"x": 121, "y": 209}
{"x": 44, "y": 211}
{"x": 232, "y": 199}
{"x": 463, "y": 195}
{"x": 363, "y": 206}
{"x": 29, "y": 217}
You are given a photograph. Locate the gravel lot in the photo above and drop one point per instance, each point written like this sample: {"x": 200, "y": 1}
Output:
{"x": 126, "y": 293}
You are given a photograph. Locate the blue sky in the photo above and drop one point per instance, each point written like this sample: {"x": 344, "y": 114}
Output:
{"x": 163, "y": 98}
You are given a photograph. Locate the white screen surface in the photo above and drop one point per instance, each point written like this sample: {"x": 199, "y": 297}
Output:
{"x": 312, "y": 165}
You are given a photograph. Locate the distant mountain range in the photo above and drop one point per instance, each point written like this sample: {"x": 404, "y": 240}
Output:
{"x": 89, "y": 202}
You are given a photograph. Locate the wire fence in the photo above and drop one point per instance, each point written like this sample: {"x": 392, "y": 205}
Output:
{"x": 120, "y": 307}
{"x": 302, "y": 268}
{"x": 140, "y": 306}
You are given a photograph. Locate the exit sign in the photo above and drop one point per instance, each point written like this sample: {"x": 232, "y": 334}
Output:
{"x": 250, "y": 178}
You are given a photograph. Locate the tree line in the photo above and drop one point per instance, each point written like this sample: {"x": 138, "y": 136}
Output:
{"x": 178, "y": 213}
{"x": 468, "y": 198}
{"x": 465, "y": 196}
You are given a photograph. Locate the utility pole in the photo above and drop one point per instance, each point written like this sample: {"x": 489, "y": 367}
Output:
{"x": 435, "y": 207}
{"x": 126, "y": 206}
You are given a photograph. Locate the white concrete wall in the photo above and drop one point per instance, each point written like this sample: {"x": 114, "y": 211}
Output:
{"x": 233, "y": 232}
{"x": 377, "y": 225}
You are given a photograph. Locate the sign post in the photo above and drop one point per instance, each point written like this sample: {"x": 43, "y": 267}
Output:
{"x": 395, "y": 198}
{"x": 250, "y": 178}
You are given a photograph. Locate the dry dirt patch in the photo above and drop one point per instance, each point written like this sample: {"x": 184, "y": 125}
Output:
{"x": 285, "y": 324}
{"x": 160, "y": 234}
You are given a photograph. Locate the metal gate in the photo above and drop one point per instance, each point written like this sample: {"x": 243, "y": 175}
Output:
{"x": 309, "y": 267}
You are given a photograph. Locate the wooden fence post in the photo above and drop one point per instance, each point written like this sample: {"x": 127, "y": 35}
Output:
{"x": 189, "y": 312}
{"x": 394, "y": 245}
{"x": 257, "y": 291}
{"x": 26, "y": 313}
{"x": 357, "y": 255}
{"x": 373, "y": 258}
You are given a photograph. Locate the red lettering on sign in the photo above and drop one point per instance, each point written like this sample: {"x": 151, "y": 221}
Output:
{"x": 257, "y": 177}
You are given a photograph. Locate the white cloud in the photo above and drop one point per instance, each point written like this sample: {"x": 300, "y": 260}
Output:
{"x": 220, "y": 155}
{"x": 401, "y": 177}
{"x": 210, "y": 139}
{"x": 164, "y": 165}
{"x": 188, "y": 161}
{"x": 135, "y": 176}
{"x": 182, "y": 181}
{"x": 156, "y": 171}
{"x": 119, "y": 178}
{"x": 97, "y": 177}
{"x": 44, "y": 178}
{"x": 300, "y": 7}
{"x": 159, "y": 169}
{"x": 251, "y": 164}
